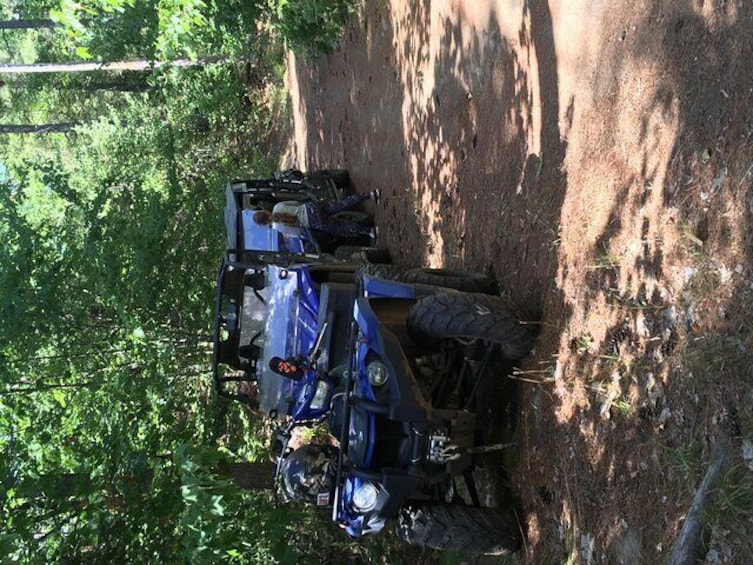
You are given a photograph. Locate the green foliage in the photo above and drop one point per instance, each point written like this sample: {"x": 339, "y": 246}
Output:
{"x": 310, "y": 25}
{"x": 214, "y": 524}
{"x": 111, "y": 238}
{"x": 155, "y": 29}
{"x": 166, "y": 30}
{"x": 112, "y": 235}
{"x": 221, "y": 523}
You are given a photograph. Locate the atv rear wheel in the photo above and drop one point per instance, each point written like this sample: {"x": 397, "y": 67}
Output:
{"x": 469, "y": 317}
{"x": 340, "y": 177}
{"x": 362, "y": 253}
{"x": 446, "y": 278}
{"x": 491, "y": 531}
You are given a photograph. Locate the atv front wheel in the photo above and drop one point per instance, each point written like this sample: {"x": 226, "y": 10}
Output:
{"x": 469, "y": 317}
{"x": 490, "y": 531}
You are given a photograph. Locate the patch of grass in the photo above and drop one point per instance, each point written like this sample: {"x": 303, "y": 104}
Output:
{"x": 684, "y": 463}
{"x": 732, "y": 514}
{"x": 535, "y": 376}
{"x": 722, "y": 362}
{"x": 623, "y": 407}
{"x": 555, "y": 238}
{"x": 583, "y": 343}
{"x": 605, "y": 261}
{"x": 736, "y": 494}
{"x": 722, "y": 373}
{"x": 612, "y": 382}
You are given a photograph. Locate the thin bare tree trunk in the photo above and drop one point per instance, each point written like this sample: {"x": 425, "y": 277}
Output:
{"x": 27, "y": 24}
{"x": 141, "y": 65}
{"x": 258, "y": 475}
{"x": 37, "y": 128}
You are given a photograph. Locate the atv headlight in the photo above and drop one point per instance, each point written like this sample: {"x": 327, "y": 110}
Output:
{"x": 320, "y": 396}
{"x": 365, "y": 497}
{"x": 377, "y": 373}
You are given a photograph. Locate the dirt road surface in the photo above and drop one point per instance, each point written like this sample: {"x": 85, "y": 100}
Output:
{"x": 595, "y": 156}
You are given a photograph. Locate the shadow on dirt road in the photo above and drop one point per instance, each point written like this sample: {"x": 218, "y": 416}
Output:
{"x": 595, "y": 157}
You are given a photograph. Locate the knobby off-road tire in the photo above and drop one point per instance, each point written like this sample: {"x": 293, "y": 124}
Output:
{"x": 362, "y": 253}
{"x": 446, "y": 278}
{"x": 492, "y": 531}
{"x": 340, "y": 177}
{"x": 467, "y": 317}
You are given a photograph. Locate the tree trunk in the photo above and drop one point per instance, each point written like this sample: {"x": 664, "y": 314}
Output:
{"x": 27, "y": 24}
{"x": 258, "y": 475}
{"x": 38, "y": 128}
{"x": 141, "y": 65}
{"x": 42, "y": 388}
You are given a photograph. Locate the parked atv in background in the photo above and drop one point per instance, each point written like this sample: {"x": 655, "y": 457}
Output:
{"x": 244, "y": 198}
{"x": 405, "y": 420}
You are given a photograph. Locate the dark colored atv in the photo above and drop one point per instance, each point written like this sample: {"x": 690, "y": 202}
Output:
{"x": 244, "y": 198}
{"x": 421, "y": 343}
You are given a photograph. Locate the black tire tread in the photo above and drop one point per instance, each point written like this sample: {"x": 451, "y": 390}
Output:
{"x": 471, "y": 316}
{"x": 341, "y": 177}
{"x": 490, "y": 531}
{"x": 369, "y": 255}
{"x": 466, "y": 281}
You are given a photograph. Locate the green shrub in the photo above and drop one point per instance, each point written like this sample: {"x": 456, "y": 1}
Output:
{"x": 311, "y": 24}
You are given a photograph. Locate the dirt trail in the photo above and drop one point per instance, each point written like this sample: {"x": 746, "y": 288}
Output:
{"x": 595, "y": 156}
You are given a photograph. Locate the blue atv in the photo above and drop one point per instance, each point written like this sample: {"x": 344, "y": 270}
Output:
{"x": 246, "y": 197}
{"x": 420, "y": 342}
{"x": 272, "y": 304}
{"x": 270, "y": 292}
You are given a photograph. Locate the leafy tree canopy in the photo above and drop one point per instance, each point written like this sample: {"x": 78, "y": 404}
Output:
{"x": 112, "y": 442}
